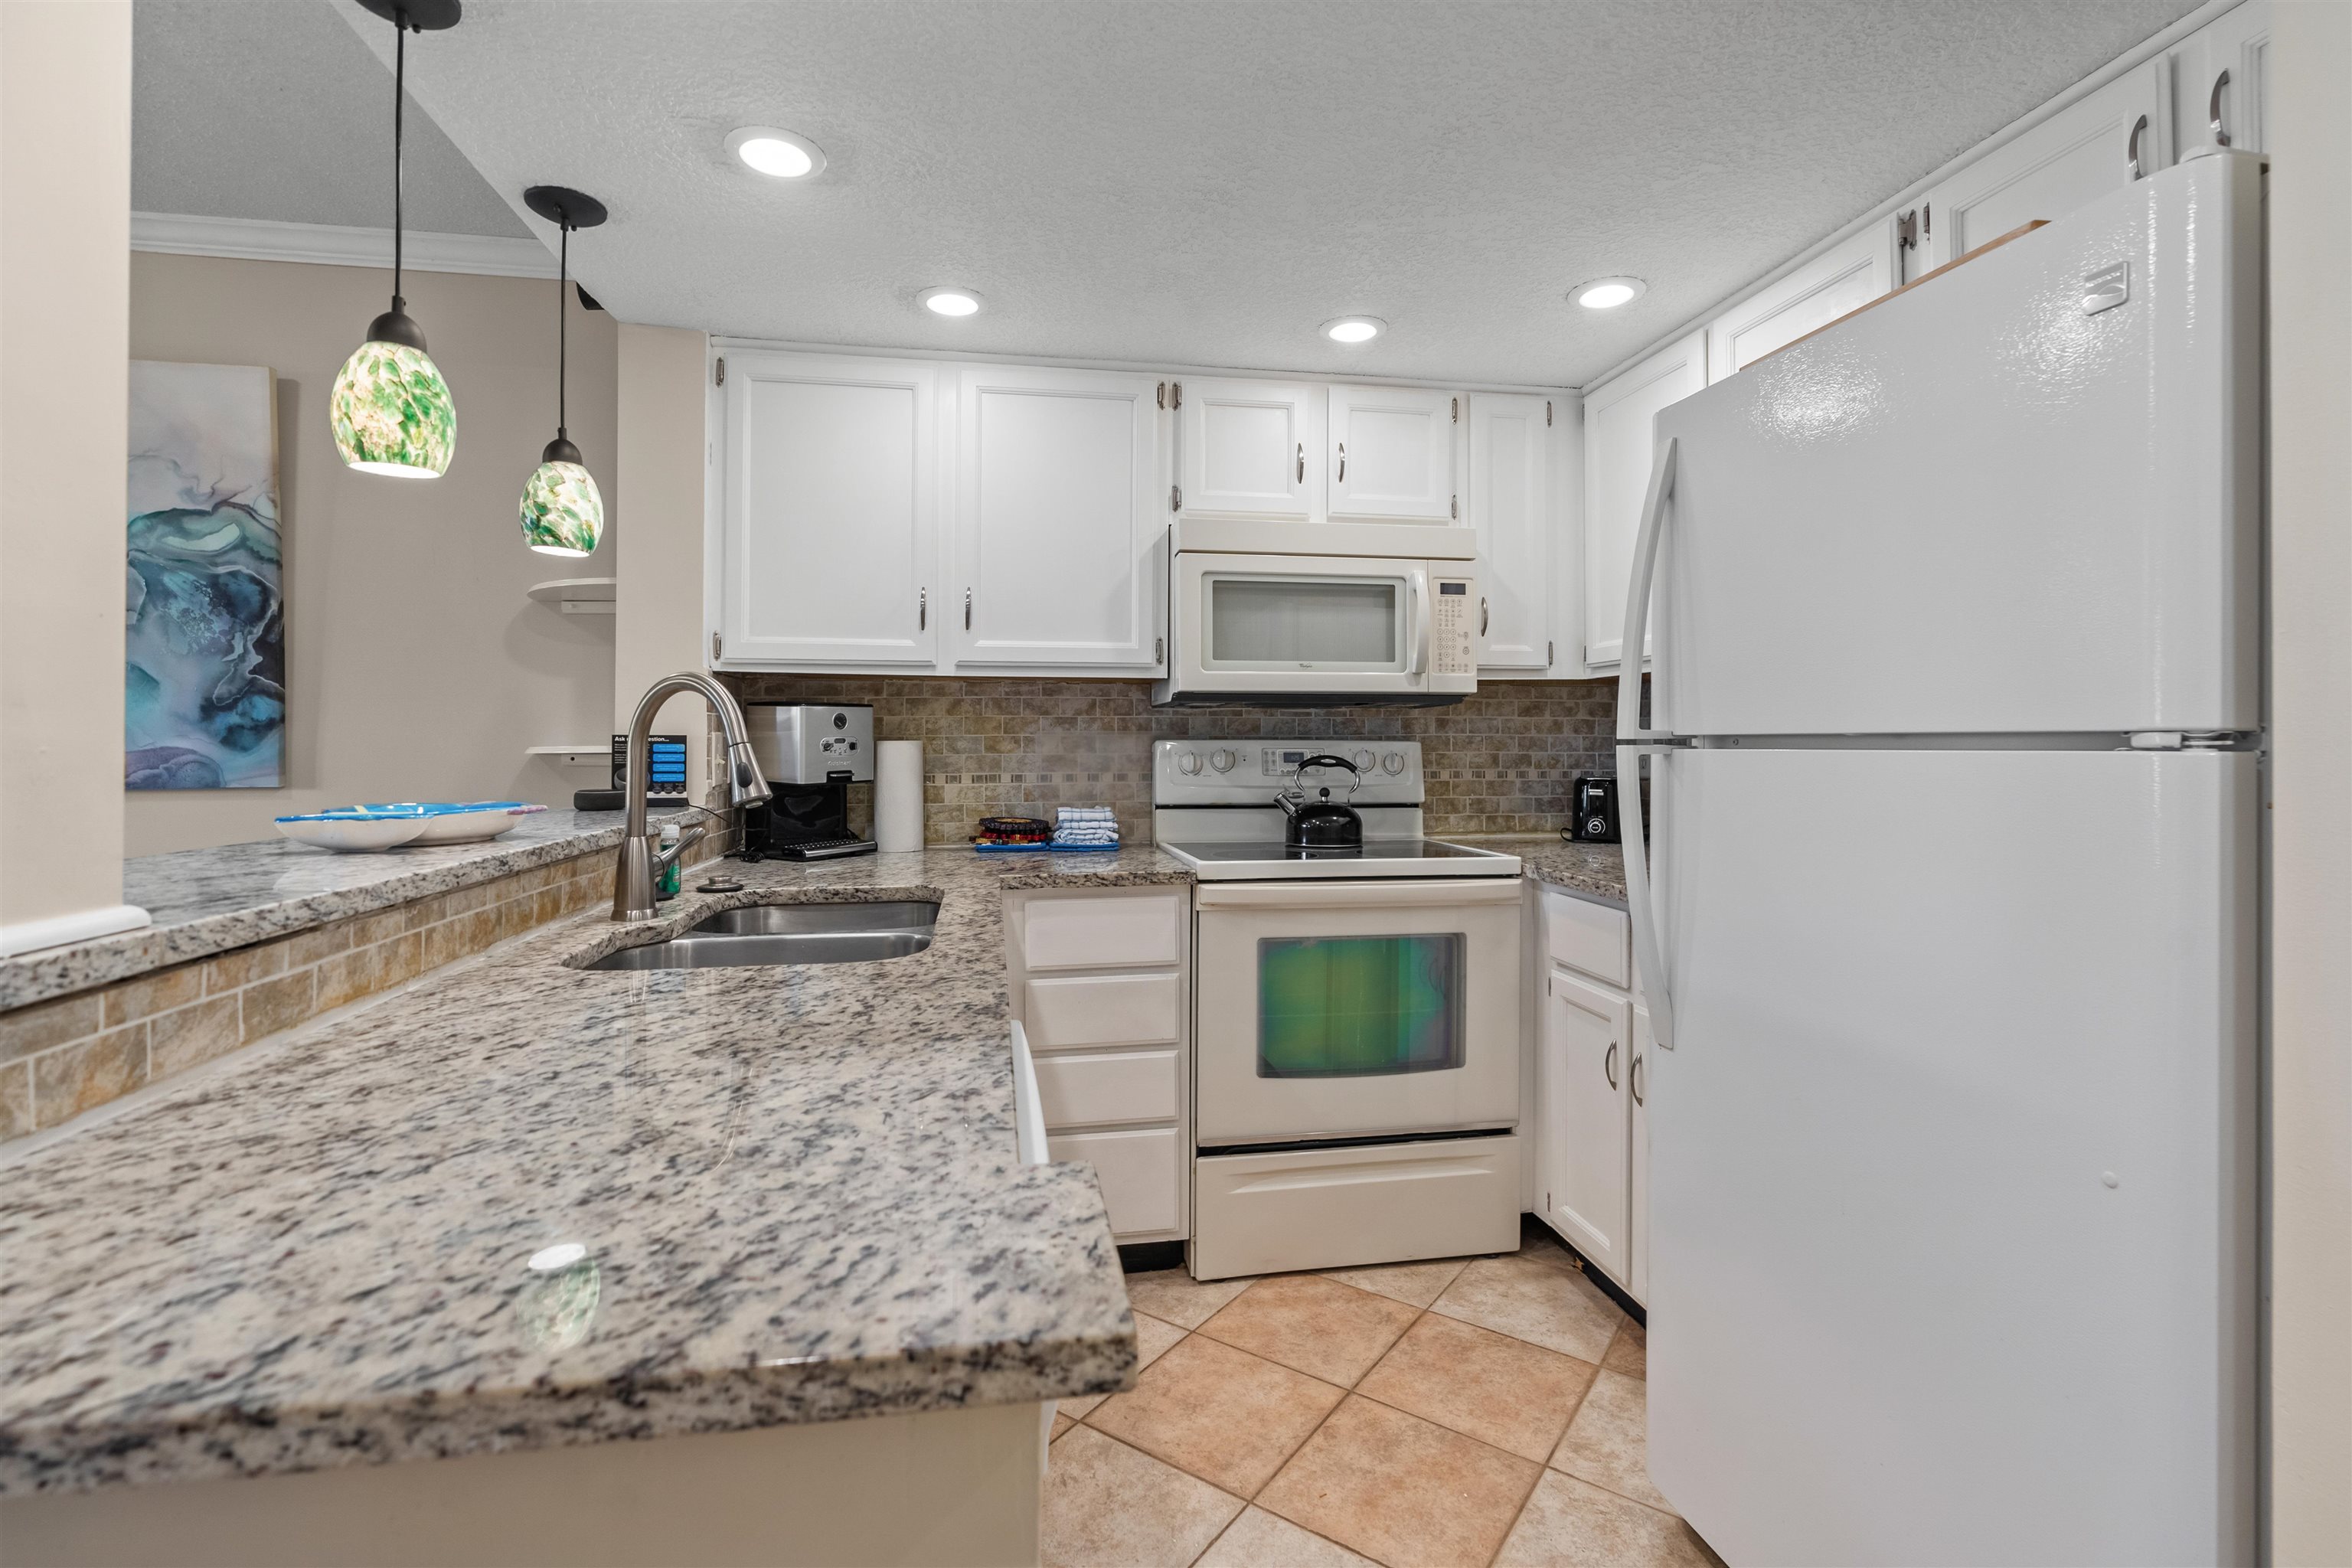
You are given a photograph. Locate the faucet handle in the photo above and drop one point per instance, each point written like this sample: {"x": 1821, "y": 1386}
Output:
{"x": 745, "y": 786}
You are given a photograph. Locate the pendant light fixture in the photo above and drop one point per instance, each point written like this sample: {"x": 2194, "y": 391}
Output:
{"x": 390, "y": 410}
{"x": 562, "y": 515}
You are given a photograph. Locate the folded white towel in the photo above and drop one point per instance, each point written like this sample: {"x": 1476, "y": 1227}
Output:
{"x": 1086, "y": 814}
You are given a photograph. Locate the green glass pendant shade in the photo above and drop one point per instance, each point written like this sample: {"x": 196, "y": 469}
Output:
{"x": 393, "y": 413}
{"x": 562, "y": 512}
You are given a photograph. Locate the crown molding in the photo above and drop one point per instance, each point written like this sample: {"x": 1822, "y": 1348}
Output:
{"x": 330, "y": 245}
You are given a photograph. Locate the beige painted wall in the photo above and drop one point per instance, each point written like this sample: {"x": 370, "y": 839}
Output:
{"x": 65, "y": 218}
{"x": 664, "y": 451}
{"x": 417, "y": 668}
{"x": 2311, "y": 945}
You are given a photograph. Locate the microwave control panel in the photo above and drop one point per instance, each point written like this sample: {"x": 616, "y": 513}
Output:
{"x": 1454, "y": 628}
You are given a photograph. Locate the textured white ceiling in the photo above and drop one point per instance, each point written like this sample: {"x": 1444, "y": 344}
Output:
{"x": 272, "y": 109}
{"x": 1187, "y": 182}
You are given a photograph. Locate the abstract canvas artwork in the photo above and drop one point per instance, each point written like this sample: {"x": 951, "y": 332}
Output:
{"x": 204, "y": 684}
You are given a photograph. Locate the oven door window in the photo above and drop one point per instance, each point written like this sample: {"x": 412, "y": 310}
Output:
{"x": 1287, "y": 623}
{"x": 1359, "y": 1006}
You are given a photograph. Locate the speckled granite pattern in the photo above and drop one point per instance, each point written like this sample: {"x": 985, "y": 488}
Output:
{"x": 1596, "y": 870}
{"x": 209, "y": 900}
{"x": 796, "y": 1188}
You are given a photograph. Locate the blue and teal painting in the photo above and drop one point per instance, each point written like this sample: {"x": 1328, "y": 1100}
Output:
{"x": 205, "y": 680}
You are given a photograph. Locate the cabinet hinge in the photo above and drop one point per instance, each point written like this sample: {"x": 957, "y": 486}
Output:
{"x": 1458, "y": 411}
{"x": 1926, "y": 220}
{"x": 722, "y": 371}
{"x": 1550, "y": 652}
{"x": 1164, "y": 394}
{"x": 1175, "y": 497}
{"x": 1158, "y": 651}
{"x": 1457, "y": 509}
{"x": 714, "y": 647}
{"x": 1175, "y": 394}
{"x": 1907, "y": 230}
{"x": 1546, "y": 413}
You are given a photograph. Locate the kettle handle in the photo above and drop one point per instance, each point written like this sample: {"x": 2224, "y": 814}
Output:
{"x": 1325, "y": 761}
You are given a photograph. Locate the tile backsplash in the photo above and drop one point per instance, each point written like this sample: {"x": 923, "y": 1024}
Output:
{"x": 1499, "y": 762}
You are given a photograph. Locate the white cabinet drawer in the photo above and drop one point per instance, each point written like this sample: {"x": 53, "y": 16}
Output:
{"x": 1100, "y": 932}
{"x": 1139, "y": 1171}
{"x": 1592, "y": 939}
{"x": 1123, "y": 1086}
{"x": 1100, "y": 1010}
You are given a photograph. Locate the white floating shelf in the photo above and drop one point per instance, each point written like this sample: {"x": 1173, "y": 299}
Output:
{"x": 578, "y": 595}
{"x": 574, "y": 756}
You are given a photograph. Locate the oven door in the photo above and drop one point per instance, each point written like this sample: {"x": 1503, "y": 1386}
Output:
{"x": 1322, "y": 625}
{"x": 1334, "y": 1010}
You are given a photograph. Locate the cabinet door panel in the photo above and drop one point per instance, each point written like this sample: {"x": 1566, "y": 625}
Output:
{"x": 1251, "y": 449}
{"x": 1141, "y": 1174}
{"x": 830, "y": 511}
{"x": 1580, "y": 1091}
{"x": 1509, "y": 504}
{"x": 1845, "y": 278}
{"x": 1392, "y": 452}
{"x": 1617, "y": 449}
{"x": 1057, "y": 473}
{"x": 2067, "y": 162}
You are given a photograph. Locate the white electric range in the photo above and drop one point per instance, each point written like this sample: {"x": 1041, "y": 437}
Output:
{"x": 1354, "y": 1015}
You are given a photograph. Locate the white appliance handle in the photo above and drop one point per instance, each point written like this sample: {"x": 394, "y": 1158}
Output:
{"x": 1649, "y": 954}
{"x": 1637, "y": 595}
{"x": 1416, "y": 621}
{"x": 1425, "y": 893}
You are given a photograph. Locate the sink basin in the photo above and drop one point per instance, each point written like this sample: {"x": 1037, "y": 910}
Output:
{"x": 790, "y": 933}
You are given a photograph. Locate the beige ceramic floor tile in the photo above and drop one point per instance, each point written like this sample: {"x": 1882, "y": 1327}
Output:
{"x": 1218, "y": 1413}
{"x": 1175, "y": 1296}
{"x": 1495, "y": 1388}
{"x": 1415, "y": 1284}
{"x": 1608, "y": 1443}
{"x": 1153, "y": 1339}
{"x": 1567, "y": 1524}
{"x": 1538, "y": 1245}
{"x": 1061, "y": 1424}
{"x": 1629, "y": 1353}
{"x": 1315, "y": 1325}
{"x": 1401, "y": 1490}
{"x": 1262, "y": 1539}
{"x": 1107, "y": 1506}
{"x": 1531, "y": 1299}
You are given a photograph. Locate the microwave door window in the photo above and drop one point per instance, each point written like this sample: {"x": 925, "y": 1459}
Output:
{"x": 1359, "y": 1006}
{"x": 1289, "y": 623}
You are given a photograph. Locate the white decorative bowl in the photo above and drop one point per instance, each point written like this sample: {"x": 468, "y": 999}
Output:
{"x": 473, "y": 823}
{"x": 351, "y": 831}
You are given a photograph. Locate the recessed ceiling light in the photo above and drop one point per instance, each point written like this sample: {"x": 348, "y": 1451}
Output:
{"x": 777, "y": 152}
{"x": 949, "y": 301}
{"x": 1353, "y": 331}
{"x": 1607, "y": 293}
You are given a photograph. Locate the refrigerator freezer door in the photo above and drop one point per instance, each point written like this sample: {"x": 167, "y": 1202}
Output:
{"x": 1952, "y": 1162}
{"x": 1999, "y": 502}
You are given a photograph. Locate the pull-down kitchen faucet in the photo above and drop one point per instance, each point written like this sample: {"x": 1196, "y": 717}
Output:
{"x": 633, "y": 873}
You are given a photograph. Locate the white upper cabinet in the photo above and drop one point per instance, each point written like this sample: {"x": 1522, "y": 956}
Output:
{"x": 1509, "y": 497}
{"x": 1057, "y": 509}
{"x": 2221, "y": 71}
{"x": 1617, "y": 458}
{"x": 1251, "y": 449}
{"x": 1393, "y": 453}
{"x": 2073, "y": 158}
{"x": 1845, "y": 279}
{"x": 829, "y": 516}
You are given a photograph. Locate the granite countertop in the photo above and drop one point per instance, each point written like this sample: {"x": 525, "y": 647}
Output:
{"x": 795, "y": 1193}
{"x": 1595, "y": 870}
{"x": 209, "y": 900}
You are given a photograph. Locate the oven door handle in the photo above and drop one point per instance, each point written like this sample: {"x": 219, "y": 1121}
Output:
{"x": 1432, "y": 894}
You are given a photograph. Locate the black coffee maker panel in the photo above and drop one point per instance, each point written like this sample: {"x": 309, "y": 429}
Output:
{"x": 801, "y": 822}
{"x": 1593, "y": 799}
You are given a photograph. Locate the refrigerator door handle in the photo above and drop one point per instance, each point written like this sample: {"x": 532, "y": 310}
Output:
{"x": 1637, "y": 595}
{"x": 1649, "y": 955}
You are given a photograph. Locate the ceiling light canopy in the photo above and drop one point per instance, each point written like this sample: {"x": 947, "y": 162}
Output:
{"x": 777, "y": 153}
{"x": 563, "y": 512}
{"x": 947, "y": 301}
{"x": 1354, "y": 330}
{"x": 1607, "y": 293}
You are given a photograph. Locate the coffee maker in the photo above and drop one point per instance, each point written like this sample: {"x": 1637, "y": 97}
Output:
{"x": 809, "y": 753}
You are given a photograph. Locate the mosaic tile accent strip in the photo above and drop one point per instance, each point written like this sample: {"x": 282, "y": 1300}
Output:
{"x": 1500, "y": 762}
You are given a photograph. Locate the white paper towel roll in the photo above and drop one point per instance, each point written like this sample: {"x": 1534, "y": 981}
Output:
{"x": 898, "y": 796}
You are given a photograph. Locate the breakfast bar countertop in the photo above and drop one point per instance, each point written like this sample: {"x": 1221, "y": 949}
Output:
{"x": 524, "y": 1205}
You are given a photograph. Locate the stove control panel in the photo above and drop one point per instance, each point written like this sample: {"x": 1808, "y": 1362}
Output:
{"x": 1248, "y": 772}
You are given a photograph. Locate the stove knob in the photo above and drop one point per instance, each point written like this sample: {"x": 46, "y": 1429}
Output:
{"x": 1188, "y": 762}
{"x": 1394, "y": 763}
{"x": 1222, "y": 759}
{"x": 1363, "y": 761}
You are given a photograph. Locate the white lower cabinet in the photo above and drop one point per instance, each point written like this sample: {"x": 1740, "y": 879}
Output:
{"x": 1097, "y": 978}
{"x": 1591, "y": 1130}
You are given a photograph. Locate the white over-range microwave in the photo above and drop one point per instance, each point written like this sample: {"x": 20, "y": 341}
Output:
{"x": 1287, "y": 614}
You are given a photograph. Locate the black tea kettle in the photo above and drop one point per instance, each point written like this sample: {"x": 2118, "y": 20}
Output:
{"x": 1321, "y": 822}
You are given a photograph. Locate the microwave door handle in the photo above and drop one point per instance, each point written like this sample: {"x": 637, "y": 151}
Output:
{"x": 1416, "y": 622}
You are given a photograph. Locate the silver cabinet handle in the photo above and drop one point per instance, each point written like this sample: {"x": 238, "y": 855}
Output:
{"x": 1609, "y": 1065}
{"x": 1637, "y": 1082}
{"x": 967, "y": 609}
{"x": 922, "y": 610}
{"x": 1343, "y": 462}
{"x": 2131, "y": 148}
{"x": 2213, "y": 111}
{"x": 1302, "y": 462}
{"x": 1482, "y": 614}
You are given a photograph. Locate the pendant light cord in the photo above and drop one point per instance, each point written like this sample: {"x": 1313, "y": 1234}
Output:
{"x": 399, "y": 103}
{"x": 563, "y": 322}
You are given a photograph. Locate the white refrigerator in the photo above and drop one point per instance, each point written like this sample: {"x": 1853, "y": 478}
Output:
{"x": 1950, "y": 930}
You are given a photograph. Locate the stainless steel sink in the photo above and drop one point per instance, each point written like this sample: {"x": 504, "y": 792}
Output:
{"x": 790, "y": 933}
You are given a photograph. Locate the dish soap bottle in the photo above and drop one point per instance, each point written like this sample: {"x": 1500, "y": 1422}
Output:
{"x": 667, "y": 885}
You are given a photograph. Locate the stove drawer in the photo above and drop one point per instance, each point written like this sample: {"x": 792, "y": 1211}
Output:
{"x": 1352, "y": 1207}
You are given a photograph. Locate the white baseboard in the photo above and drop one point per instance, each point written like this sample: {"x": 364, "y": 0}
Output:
{"x": 330, "y": 245}
{"x": 31, "y": 936}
